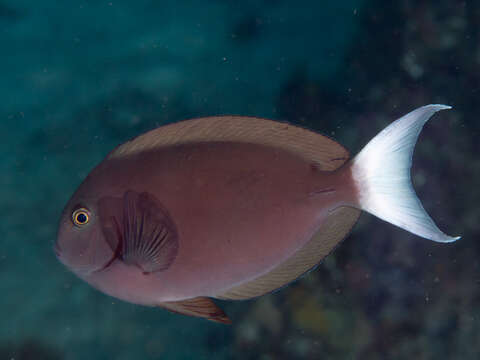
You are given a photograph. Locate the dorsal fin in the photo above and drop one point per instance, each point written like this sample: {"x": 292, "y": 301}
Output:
{"x": 327, "y": 153}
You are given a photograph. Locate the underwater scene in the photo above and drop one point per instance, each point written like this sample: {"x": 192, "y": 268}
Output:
{"x": 185, "y": 243}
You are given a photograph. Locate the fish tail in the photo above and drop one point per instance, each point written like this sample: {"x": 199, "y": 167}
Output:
{"x": 381, "y": 173}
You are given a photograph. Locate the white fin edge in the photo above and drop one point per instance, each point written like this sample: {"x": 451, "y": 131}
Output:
{"x": 381, "y": 172}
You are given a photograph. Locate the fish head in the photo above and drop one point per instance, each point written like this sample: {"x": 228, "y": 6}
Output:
{"x": 86, "y": 240}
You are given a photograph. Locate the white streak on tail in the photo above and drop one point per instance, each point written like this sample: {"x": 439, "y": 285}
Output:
{"x": 382, "y": 175}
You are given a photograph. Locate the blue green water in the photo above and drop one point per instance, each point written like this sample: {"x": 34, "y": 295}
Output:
{"x": 79, "y": 77}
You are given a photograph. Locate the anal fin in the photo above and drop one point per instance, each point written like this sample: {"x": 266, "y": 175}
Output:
{"x": 200, "y": 307}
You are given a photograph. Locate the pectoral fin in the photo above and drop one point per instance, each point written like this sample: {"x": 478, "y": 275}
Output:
{"x": 139, "y": 230}
{"x": 150, "y": 238}
{"x": 200, "y": 307}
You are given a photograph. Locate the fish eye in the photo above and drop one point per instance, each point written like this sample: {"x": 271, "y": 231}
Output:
{"x": 81, "y": 217}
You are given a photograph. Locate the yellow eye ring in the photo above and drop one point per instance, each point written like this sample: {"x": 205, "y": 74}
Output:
{"x": 81, "y": 217}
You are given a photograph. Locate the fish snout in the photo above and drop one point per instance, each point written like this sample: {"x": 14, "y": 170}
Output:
{"x": 57, "y": 250}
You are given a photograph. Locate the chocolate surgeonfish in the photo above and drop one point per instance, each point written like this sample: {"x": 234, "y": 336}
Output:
{"x": 232, "y": 207}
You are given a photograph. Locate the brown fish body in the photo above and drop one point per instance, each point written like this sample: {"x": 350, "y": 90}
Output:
{"x": 232, "y": 208}
{"x": 240, "y": 210}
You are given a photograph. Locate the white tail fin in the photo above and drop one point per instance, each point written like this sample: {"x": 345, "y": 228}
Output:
{"x": 382, "y": 174}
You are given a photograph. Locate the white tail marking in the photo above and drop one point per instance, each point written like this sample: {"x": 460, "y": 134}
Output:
{"x": 382, "y": 174}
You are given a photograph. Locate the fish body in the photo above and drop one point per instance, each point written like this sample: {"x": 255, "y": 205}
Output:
{"x": 230, "y": 208}
{"x": 229, "y": 201}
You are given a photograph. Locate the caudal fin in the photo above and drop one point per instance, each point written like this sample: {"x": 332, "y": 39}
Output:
{"x": 382, "y": 175}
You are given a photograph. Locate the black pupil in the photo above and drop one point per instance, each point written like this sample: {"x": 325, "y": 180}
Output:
{"x": 82, "y": 218}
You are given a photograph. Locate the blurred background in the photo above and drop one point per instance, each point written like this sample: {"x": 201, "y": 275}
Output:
{"x": 79, "y": 77}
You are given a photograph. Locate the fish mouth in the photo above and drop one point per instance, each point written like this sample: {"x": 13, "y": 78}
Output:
{"x": 56, "y": 250}
{"x": 81, "y": 271}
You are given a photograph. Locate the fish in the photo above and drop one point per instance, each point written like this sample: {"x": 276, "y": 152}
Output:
{"x": 232, "y": 208}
